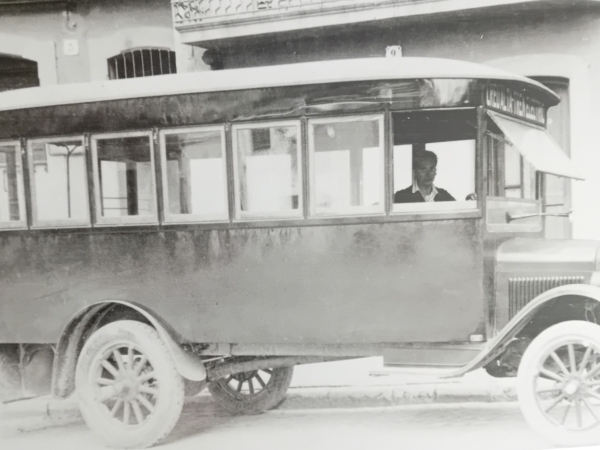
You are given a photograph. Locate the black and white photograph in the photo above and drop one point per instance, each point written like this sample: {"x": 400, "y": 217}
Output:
{"x": 300, "y": 224}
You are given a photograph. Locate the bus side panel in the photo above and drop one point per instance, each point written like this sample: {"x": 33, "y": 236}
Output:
{"x": 374, "y": 283}
{"x": 371, "y": 283}
{"x": 46, "y": 278}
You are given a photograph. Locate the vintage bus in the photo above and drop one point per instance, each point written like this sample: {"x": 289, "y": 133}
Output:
{"x": 159, "y": 235}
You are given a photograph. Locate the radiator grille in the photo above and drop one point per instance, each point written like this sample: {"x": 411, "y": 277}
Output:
{"x": 522, "y": 290}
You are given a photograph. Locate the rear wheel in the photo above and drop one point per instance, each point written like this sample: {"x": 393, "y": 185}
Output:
{"x": 252, "y": 392}
{"x": 130, "y": 393}
{"x": 558, "y": 384}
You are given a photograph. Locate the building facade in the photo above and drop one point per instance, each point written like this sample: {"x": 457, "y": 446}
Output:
{"x": 65, "y": 41}
{"x": 56, "y": 41}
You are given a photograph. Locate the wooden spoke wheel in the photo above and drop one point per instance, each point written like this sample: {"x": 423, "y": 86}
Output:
{"x": 559, "y": 383}
{"x": 252, "y": 392}
{"x": 130, "y": 393}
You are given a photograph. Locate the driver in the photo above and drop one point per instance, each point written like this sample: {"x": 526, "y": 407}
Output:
{"x": 422, "y": 189}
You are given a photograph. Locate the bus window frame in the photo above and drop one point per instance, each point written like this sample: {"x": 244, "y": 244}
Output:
{"x": 123, "y": 220}
{"x": 353, "y": 211}
{"x": 170, "y": 218}
{"x": 58, "y": 223}
{"x": 495, "y": 177}
{"x": 17, "y": 224}
{"x": 292, "y": 214}
{"x": 497, "y": 170}
{"x": 434, "y": 210}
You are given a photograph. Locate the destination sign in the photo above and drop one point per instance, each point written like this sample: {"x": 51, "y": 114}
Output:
{"x": 507, "y": 100}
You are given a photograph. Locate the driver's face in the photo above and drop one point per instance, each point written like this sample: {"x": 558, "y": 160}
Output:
{"x": 425, "y": 172}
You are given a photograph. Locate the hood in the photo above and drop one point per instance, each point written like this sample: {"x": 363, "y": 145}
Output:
{"x": 534, "y": 255}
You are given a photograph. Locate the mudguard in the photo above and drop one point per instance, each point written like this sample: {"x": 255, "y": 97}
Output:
{"x": 187, "y": 363}
{"x": 517, "y": 323}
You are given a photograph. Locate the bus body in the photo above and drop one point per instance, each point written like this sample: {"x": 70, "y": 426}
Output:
{"x": 248, "y": 216}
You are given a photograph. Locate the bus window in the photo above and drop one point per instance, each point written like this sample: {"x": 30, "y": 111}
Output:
{"x": 347, "y": 166}
{"x": 434, "y": 161}
{"x": 12, "y": 199}
{"x": 267, "y": 170}
{"x": 124, "y": 178}
{"x": 510, "y": 175}
{"x": 195, "y": 174}
{"x": 511, "y": 186}
{"x": 58, "y": 182}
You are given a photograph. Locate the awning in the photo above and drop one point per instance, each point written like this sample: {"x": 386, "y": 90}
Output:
{"x": 537, "y": 147}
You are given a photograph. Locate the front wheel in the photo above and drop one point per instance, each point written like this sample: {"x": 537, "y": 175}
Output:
{"x": 252, "y": 392}
{"x": 130, "y": 393}
{"x": 558, "y": 382}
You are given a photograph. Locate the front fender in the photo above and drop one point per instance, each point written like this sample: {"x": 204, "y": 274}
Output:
{"x": 517, "y": 323}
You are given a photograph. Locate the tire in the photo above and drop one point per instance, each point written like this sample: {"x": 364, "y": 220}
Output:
{"x": 145, "y": 379}
{"x": 557, "y": 384}
{"x": 249, "y": 393}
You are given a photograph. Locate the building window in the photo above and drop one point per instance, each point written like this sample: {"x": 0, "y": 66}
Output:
{"x": 17, "y": 73}
{"x": 142, "y": 62}
{"x": 261, "y": 139}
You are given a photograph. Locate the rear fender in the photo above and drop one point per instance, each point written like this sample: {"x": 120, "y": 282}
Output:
{"x": 83, "y": 323}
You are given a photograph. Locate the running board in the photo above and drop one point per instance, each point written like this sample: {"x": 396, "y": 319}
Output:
{"x": 447, "y": 356}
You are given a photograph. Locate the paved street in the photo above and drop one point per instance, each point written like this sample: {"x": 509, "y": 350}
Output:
{"x": 486, "y": 426}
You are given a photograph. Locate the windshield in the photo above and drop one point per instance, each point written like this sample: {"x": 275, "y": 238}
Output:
{"x": 536, "y": 145}
{"x": 509, "y": 174}
{"x": 519, "y": 155}
{"x": 512, "y": 203}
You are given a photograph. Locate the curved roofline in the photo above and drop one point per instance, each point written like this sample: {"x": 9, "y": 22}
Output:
{"x": 338, "y": 71}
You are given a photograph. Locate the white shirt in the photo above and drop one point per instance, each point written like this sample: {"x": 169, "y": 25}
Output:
{"x": 427, "y": 198}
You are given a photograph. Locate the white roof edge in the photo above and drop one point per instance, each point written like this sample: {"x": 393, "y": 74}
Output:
{"x": 256, "y": 77}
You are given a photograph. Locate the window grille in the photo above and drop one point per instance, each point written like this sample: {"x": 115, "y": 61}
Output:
{"x": 141, "y": 62}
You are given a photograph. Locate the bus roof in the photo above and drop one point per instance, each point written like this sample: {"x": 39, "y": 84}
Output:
{"x": 338, "y": 71}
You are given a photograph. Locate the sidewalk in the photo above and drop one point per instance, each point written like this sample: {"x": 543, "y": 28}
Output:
{"x": 342, "y": 384}
{"x": 35, "y": 414}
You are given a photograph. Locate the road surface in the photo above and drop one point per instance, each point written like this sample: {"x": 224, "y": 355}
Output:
{"x": 466, "y": 426}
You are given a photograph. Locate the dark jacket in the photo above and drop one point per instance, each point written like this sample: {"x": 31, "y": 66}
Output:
{"x": 407, "y": 196}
